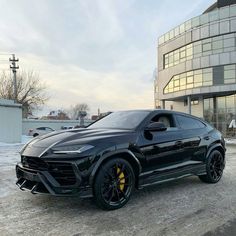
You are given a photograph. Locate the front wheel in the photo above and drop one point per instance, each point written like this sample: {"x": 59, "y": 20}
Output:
{"x": 214, "y": 168}
{"x": 114, "y": 184}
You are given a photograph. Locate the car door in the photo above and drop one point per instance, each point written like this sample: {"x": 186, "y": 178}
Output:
{"x": 194, "y": 140}
{"x": 163, "y": 150}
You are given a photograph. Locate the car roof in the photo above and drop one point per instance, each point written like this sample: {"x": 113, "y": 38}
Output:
{"x": 156, "y": 111}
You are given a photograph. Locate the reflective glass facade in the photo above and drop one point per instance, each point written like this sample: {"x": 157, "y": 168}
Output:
{"x": 209, "y": 46}
{"x": 197, "y": 67}
{"x": 203, "y": 77}
{"x": 190, "y": 79}
{"x": 218, "y": 14}
{"x": 220, "y": 111}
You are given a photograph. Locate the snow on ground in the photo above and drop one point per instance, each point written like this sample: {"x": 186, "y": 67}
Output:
{"x": 9, "y": 153}
{"x": 230, "y": 140}
{"x": 24, "y": 139}
{"x": 9, "y": 156}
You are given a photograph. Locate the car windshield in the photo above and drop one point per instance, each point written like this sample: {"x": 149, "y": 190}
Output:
{"x": 120, "y": 120}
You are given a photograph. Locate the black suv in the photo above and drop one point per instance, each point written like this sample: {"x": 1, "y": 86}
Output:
{"x": 119, "y": 152}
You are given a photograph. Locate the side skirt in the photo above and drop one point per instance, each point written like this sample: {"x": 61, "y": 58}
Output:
{"x": 155, "y": 177}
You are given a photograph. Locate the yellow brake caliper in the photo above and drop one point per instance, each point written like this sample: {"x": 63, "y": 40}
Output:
{"x": 122, "y": 179}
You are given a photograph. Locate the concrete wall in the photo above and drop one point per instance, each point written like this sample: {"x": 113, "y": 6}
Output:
{"x": 10, "y": 121}
{"x": 28, "y": 124}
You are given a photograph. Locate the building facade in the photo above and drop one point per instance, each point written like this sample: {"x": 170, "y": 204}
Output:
{"x": 197, "y": 66}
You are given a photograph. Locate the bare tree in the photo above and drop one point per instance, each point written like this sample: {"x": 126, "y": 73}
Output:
{"x": 79, "y": 112}
{"x": 30, "y": 90}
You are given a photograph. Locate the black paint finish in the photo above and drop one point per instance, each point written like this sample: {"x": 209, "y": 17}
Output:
{"x": 156, "y": 156}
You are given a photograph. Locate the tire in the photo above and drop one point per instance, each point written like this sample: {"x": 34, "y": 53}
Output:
{"x": 114, "y": 184}
{"x": 35, "y": 135}
{"x": 214, "y": 168}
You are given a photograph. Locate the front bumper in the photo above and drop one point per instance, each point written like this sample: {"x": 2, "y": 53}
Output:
{"x": 42, "y": 181}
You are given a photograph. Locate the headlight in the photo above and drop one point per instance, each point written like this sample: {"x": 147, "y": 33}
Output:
{"x": 71, "y": 149}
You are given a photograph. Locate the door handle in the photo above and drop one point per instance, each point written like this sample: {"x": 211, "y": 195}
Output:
{"x": 206, "y": 137}
{"x": 179, "y": 143}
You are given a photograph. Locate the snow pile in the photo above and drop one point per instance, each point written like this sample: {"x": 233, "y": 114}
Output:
{"x": 230, "y": 141}
{"x": 24, "y": 139}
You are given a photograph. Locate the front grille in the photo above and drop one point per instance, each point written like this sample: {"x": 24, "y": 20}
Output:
{"x": 34, "y": 163}
{"x": 63, "y": 173}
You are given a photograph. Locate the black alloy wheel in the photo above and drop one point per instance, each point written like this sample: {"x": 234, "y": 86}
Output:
{"x": 114, "y": 184}
{"x": 214, "y": 168}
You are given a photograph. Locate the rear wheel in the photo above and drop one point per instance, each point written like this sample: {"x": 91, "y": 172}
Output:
{"x": 114, "y": 184}
{"x": 214, "y": 168}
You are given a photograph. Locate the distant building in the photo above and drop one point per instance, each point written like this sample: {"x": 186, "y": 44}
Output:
{"x": 57, "y": 115}
{"x": 96, "y": 117}
{"x": 197, "y": 66}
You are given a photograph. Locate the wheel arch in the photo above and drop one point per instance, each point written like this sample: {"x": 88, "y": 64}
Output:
{"x": 124, "y": 154}
{"x": 217, "y": 147}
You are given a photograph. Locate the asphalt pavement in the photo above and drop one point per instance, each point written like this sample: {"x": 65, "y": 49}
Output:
{"x": 183, "y": 207}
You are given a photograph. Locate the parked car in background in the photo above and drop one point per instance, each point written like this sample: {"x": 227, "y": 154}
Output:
{"x": 67, "y": 127}
{"x": 120, "y": 152}
{"x": 40, "y": 131}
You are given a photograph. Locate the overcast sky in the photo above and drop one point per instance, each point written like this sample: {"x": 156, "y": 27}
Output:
{"x": 102, "y": 52}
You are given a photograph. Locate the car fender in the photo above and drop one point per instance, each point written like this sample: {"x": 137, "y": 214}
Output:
{"x": 215, "y": 146}
{"x": 109, "y": 155}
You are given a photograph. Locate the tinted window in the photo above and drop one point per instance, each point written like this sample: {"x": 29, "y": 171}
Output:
{"x": 166, "y": 119}
{"x": 121, "y": 120}
{"x": 49, "y": 129}
{"x": 41, "y": 128}
{"x": 189, "y": 123}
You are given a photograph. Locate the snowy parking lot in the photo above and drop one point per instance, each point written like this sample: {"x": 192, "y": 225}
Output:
{"x": 183, "y": 207}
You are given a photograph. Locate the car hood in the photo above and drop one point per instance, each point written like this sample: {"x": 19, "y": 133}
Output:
{"x": 93, "y": 137}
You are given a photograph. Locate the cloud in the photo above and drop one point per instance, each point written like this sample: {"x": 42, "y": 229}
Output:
{"x": 97, "y": 51}
{"x": 70, "y": 84}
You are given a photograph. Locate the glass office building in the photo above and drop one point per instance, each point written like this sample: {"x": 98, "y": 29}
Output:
{"x": 197, "y": 66}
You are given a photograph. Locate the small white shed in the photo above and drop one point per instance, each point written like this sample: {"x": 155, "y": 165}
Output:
{"x": 10, "y": 121}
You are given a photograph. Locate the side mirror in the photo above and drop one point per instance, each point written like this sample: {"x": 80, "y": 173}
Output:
{"x": 156, "y": 126}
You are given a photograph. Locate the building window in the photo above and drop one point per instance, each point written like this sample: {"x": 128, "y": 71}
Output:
{"x": 189, "y": 80}
{"x": 214, "y": 45}
{"x": 201, "y": 78}
{"x": 185, "y": 102}
{"x": 195, "y": 102}
{"x": 230, "y": 74}
{"x": 220, "y": 112}
{"x": 221, "y": 13}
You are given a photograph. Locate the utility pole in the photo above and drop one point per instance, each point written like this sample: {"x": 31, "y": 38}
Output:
{"x": 14, "y": 68}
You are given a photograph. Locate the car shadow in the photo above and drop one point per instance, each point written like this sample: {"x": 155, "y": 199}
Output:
{"x": 183, "y": 198}
{"x": 88, "y": 204}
